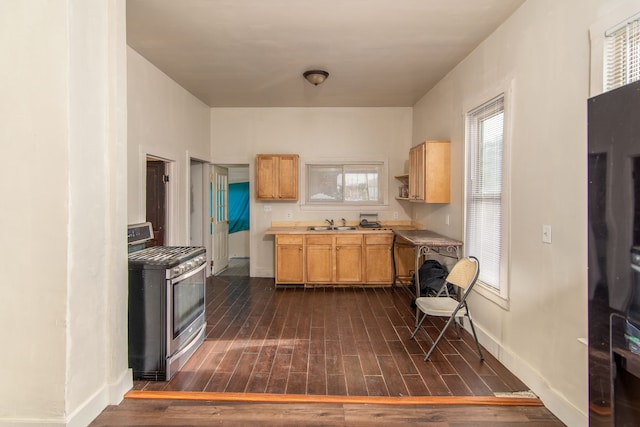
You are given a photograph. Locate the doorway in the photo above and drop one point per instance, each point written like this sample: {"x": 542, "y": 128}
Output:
{"x": 156, "y": 199}
{"x": 237, "y": 238}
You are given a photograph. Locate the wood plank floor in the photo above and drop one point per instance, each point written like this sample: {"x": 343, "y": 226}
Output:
{"x": 152, "y": 413}
{"x": 327, "y": 342}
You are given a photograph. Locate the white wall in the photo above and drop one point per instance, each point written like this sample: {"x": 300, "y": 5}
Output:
{"x": 168, "y": 122}
{"x": 542, "y": 54}
{"x": 63, "y": 253}
{"x": 238, "y": 134}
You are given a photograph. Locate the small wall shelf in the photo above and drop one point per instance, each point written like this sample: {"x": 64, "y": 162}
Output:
{"x": 403, "y": 189}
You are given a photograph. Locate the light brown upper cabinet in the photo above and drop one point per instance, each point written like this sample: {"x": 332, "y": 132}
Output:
{"x": 277, "y": 177}
{"x": 430, "y": 172}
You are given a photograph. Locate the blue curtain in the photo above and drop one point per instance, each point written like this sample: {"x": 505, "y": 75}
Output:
{"x": 238, "y": 207}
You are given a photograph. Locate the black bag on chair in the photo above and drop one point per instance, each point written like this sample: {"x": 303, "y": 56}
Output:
{"x": 432, "y": 275}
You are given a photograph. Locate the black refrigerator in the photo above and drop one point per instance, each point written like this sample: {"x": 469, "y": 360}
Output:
{"x": 614, "y": 257}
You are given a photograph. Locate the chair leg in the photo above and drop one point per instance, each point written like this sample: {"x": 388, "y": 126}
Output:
{"x": 475, "y": 337}
{"x": 433, "y": 347}
{"x": 457, "y": 325}
{"x": 424, "y": 316}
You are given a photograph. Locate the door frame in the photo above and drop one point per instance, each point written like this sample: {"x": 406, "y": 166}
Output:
{"x": 204, "y": 204}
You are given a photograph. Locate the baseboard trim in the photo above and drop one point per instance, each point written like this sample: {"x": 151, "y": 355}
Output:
{"x": 306, "y": 398}
{"x": 110, "y": 394}
{"x": 551, "y": 398}
{"x": 118, "y": 389}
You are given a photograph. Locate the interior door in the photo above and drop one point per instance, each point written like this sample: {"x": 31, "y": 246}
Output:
{"x": 219, "y": 209}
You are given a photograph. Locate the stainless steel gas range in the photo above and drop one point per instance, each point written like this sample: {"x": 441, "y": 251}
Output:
{"x": 166, "y": 305}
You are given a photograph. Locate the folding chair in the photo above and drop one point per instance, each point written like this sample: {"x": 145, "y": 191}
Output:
{"x": 463, "y": 275}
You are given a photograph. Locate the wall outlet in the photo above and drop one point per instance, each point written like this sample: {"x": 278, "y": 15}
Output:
{"x": 546, "y": 233}
{"x": 395, "y": 215}
{"x": 289, "y": 215}
{"x": 267, "y": 208}
{"x": 446, "y": 220}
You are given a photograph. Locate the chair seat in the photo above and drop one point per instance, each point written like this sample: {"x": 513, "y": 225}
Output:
{"x": 438, "y": 306}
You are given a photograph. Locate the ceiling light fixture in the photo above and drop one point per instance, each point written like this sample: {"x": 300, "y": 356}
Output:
{"x": 315, "y": 77}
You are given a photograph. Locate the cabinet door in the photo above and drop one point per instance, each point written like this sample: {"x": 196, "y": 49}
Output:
{"x": 437, "y": 172}
{"x": 430, "y": 172}
{"x": 416, "y": 172}
{"x": 319, "y": 261}
{"x": 289, "y": 263}
{"x": 266, "y": 178}
{"x": 348, "y": 264}
{"x": 288, "y": 177}
{"x": 405, "y": 262}
{"x": 348, "y": 256}
{"x": 378, "y": 262}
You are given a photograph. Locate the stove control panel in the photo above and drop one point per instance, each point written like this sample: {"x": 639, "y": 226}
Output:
{"x": 187, "y": 266}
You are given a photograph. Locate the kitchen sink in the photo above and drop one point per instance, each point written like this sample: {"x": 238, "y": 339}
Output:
{"x": 331, "y": 228}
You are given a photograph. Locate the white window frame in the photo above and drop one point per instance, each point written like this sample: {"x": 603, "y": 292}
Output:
{"x": 622, "y": 47}
{"x": 614, "y": 16}
{"x": 383, "y": 184}
{"x": 498, "y": 296}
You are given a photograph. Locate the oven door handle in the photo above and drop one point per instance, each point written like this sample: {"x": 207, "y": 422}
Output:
{"x": 188, "y": 273}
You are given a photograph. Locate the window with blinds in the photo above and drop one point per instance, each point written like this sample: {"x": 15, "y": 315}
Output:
{"x": 346, "y": 183}
{"x": 484, "y": 197}
{"x": 622, "y": 62}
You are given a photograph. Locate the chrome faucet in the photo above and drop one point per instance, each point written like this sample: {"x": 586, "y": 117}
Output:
{"x": 344, "y": 222}
{"x": 330, "y": 221}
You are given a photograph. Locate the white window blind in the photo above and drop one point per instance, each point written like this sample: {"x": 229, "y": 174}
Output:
{"x": 484, "y": 199}
{"x": 622, "y": 63}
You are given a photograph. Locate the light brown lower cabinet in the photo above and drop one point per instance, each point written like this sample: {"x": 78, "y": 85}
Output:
{"x": 319, "y": 260}
{"x": 377, "y": 250}
{"x": 289, "y": 259}
{"x": 405, "y": 259}
{"x": 334, "y": 259}
{"x": 348, "y": 258}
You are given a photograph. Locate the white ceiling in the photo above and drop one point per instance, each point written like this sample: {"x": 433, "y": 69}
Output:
{"x": 252, "y": 53}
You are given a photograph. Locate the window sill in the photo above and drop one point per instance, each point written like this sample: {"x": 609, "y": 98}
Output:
{"x": 492, "y": 295}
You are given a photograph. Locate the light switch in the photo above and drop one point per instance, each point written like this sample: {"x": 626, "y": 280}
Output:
{"x": 546, "y": 233}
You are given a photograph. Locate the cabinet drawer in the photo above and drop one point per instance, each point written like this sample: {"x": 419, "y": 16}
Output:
{"x": 349, "y": 239}
{"x": 378, "y": 239}
{"x": 324, "y": 239}
{"x": 289, "y": 239}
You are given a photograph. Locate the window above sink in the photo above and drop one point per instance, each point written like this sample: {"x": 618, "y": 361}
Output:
{"x": 347, "y": 183}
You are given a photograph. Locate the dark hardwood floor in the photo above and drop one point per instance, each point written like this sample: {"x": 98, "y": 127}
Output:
{"x": 236, "y": 267}
{"x": 324, "y": 342}
{"x": 328, "y": 341}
